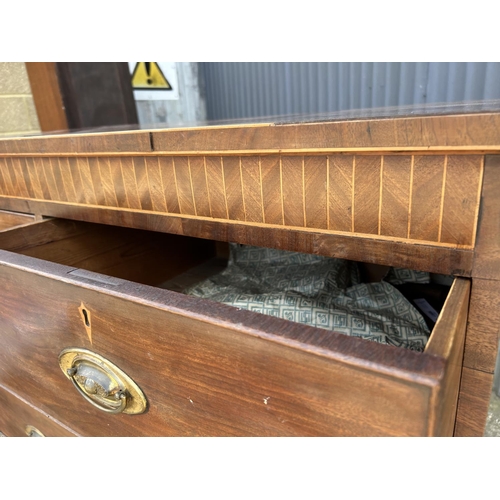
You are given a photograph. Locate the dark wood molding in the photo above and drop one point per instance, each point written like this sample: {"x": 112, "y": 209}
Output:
{"x": 47, "y": 96}
{"x": 70, "y": 95}
{"x": 97, "y": 94}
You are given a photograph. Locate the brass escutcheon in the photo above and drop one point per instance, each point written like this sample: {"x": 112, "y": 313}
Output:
{"x": 101, "y": 382}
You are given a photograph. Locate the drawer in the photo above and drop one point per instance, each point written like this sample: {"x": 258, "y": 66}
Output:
{"x": 204, "y": 368}
{"x": 9, "y": 220}
{"x": 19, "y": 418}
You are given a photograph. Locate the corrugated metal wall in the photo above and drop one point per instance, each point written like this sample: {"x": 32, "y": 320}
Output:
{"x": 242, "y": 90}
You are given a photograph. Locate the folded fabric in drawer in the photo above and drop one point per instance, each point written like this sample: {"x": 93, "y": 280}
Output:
{"x": 398, "y": 276}
{"x": 318, "y": 291}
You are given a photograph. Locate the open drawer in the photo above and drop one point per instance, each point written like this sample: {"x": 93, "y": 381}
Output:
{"x": 204, "y": 368}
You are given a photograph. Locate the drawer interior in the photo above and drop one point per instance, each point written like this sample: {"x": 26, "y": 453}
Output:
{"x": 172, "y": 262}
{"x": 145, "y": 257}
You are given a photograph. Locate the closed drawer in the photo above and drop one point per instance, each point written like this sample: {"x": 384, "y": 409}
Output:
{"x": 205, "y": 368}
{"x": 19, "y": 418}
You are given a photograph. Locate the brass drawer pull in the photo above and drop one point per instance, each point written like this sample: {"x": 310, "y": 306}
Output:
{"x": 33, "y": 432}
{"x": 102, "y": 383}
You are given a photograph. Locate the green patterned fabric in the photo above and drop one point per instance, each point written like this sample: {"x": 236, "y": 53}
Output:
{"x": 318, "y": 291}
{"x": 398, "y": 276}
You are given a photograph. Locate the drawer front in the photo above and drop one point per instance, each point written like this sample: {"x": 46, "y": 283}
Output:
{"x": 208, "y": 369}
{"x": 19, "y": 418}
{"x": 431, "y": 199}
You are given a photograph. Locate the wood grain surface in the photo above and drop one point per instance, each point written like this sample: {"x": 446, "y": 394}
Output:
{"x": 415, "y": 198}
{"x": 316, "y": 191}
{"x": 340, "y": 193}
{"x": 397, "y": 186}
{"x": 460, "y": 203}
{"x": 366, "y": 206}
{"x": 473, "y": 402}
{"x": 252, "y": 188}
{"x": 427, "y": 193}
{"x": 451, "y": 348}
{"x": 481, "y": 346}
{"x": 146, "y": 257}
{"x": 136, "y": 142}
{"x": 9, "y": 220}
{"x": 385, "y": 251}
{"x": 206, "y": 368}
{"x": 47, "y": 96}
{"x": 426, "y": 132}
{"x": 292, "y": 181}
{"x": 17, "y": 414}
{"x": 484, "y": 326}
{"x": 479, "y": 132}
{"x": 233, "y": 188}
{"x": 416, "y": 203}
{"x": 272, "y": 189}
{"x": 487, "y": 250}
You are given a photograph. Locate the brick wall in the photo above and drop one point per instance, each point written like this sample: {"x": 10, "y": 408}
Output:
{"x": 17, "y": 110}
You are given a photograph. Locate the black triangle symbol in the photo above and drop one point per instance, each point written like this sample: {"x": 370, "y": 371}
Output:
{"x": 149, "y": 76}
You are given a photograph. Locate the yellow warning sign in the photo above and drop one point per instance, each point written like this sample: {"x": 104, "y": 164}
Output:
{"x": 149, "y": 76}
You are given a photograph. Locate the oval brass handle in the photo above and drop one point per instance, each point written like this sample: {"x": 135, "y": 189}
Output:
{"x": 101, "y": 382}
{"x": 33, "y": 432}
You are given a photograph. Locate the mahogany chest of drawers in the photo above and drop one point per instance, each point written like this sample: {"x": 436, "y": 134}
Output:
{"x": 93, "y": 224}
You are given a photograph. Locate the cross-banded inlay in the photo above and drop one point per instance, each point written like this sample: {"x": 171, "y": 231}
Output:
{"x": 426, "y": 198}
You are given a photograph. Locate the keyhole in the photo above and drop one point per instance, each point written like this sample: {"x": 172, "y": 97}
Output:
{"x": 86, "y": 317}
